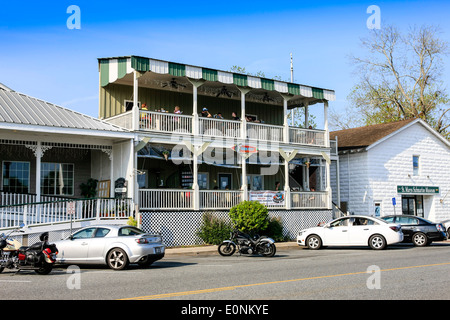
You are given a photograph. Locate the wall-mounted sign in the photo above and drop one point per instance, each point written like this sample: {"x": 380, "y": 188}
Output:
{"x": 240, "y": 148}
{"x": 417, "y": 190}
{"x": 272, "y": 198}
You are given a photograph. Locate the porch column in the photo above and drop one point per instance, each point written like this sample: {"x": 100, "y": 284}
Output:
{"x": 327, "y": 144}
{"x": 325, "y": 125}
{"x": 196, "y": 151}
{"x": 306, "y": 115}
{"x": 195, "y": 120}
{"x": 135, "y": 110}
{"x": 285, "y": 121}
{"x": 38, "y": 170}
{"x": 243, "y": 91}
{"x": 244, "y": 185}
{"x": 287, "y": 156}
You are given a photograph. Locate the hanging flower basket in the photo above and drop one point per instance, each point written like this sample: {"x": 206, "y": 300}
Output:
{"x": 166, "y": 153}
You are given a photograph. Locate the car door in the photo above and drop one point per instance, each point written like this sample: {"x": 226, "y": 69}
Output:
{"x": 97, "y": 245}
{"x": 337, "y": 232}
{"x": 75, "y": 248}
{"x": 409, "y": 225}
{"x": 360, "y": 231}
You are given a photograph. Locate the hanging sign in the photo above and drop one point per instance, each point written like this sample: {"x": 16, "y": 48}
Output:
{"x": 240, "y": 148}
{"x": 269, "y": 198}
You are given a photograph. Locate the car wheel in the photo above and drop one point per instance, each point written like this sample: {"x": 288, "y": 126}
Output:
{"x": 419, "y": 239}
{"x": 314, "y": 242}
{"x": 117, "y": 259}
{"x": 377, "y": 242}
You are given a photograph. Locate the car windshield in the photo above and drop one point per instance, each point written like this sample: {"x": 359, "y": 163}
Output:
{"x": 130, "y": 231}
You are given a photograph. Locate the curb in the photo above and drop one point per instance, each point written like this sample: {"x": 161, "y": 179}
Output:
{"x": 212, "y": 249}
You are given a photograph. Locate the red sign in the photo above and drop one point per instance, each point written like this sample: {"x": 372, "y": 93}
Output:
{"x": 244, "y": 148}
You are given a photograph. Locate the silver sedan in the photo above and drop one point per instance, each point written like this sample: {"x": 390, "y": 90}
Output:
{"x": 115, "y": 246}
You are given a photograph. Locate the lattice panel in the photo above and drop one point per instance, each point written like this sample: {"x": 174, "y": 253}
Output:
{"x": 180, "y": 228}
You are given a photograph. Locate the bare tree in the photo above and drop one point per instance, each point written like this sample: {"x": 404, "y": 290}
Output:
{"x": 400, "y": 78}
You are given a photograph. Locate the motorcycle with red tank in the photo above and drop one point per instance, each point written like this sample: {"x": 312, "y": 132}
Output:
{"x": 39, "y": 257}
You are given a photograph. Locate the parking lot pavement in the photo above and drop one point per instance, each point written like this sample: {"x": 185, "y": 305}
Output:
{"x": 211, "y": 249}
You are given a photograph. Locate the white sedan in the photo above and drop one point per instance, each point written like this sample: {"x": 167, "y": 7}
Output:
{"x": 352, "y": 231}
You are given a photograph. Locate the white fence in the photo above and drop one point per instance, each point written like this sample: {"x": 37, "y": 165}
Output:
{"x": 182, "y": 199}
{"x": 170, "y": 123}
{"x": 165, "y": 122}
{"x": 61, "y": 211}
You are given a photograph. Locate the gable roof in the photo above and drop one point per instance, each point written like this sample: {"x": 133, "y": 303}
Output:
{"x": 363, "y": 137}
{"x": 20, "y": 109}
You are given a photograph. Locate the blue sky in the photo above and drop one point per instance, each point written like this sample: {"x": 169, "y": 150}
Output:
{"x": 41, "y": 57}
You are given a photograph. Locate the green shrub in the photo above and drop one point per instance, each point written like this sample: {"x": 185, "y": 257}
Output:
{"x": 275, "y": 229}
{"x": 214, "y": 230}
{"x": 250, "y": 216}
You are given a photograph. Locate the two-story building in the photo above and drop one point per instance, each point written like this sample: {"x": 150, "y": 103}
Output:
{"x": 208, "y": 139}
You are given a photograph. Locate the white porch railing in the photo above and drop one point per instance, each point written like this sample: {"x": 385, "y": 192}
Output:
{"x": 265, "y": 132}
{"x": 61, "y": 211}
{"x": 307, "y": 136}
{"x": 219, "y": 127}
{"x": 309, "y": 200}
{"x": 180, "y": 199}
{"x": 219, "y": 199}
{"x": 173, "y": 199}
{"x": 124, "y": 120}
{"x": 165, "y": 122}
{"x": 9, "y": 198}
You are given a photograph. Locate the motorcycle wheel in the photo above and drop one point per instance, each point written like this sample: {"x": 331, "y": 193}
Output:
{"x": 226, "y": 249}
{"x": 45, "y": 269}
{"x": 269, "y": 250}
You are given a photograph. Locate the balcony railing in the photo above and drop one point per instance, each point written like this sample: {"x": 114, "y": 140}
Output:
{"x": 181, "y": 199}
{"x": 212, "y": 127}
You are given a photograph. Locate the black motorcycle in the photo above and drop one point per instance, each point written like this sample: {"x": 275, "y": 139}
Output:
{"x": 246, "y": 244}
{"x": 39, "y": 257}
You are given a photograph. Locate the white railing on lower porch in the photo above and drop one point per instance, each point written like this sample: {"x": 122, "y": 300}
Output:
{"x": 307, "y": 200}
{"x": 182, "y": 199}
{"x": 60, "y": 211}
{"x": 219, "y": 199}
{"x": 173, "y": 199}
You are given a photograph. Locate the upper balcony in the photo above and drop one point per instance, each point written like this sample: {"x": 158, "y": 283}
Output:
{"x": 263, "y": 106}
{"x": 158, "y": 122}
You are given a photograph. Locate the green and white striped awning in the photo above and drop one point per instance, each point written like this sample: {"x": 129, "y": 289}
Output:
{"x": 112, "y": 69}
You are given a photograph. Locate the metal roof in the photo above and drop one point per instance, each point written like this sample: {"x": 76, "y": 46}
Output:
{"x": 18, "y": 108}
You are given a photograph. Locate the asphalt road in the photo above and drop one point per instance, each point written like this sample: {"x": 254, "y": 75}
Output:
{"x": 401, "y": 272}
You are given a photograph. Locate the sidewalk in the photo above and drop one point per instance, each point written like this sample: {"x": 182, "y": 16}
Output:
{"x": 212, "y": 249}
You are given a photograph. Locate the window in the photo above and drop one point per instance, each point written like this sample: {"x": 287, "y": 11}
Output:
{"x": 340, "y": 223}
{"x": 415, "y": 165}
{"x": 255, "y": 182}
{"x": 84, "y": 234}
{"x": 130, "y": 231}
{"x": 101, "y": 232}
{"x": 202, "y": 180}
{"x": 57, "y": 178}
{"x": 16, "y": 176}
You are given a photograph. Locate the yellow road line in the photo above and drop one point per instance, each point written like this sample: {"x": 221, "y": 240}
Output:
{"x": 185, "y": 293}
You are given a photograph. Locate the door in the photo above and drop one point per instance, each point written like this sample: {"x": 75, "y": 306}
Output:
{"x": 360, "y": 231}
{"x": 408, "y": 205}
{"x": 337, "y": 232}
{"x": 75, "y": 250}
{"x": 409, "y": 226}
{"x": 96, "y": 246}
{"x": 224, "y": 181}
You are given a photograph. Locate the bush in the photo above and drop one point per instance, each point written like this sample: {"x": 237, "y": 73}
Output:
{"x": 275, "y": 230}
{"x": 250, "y": 216}
{"x": 214, "y": 230}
